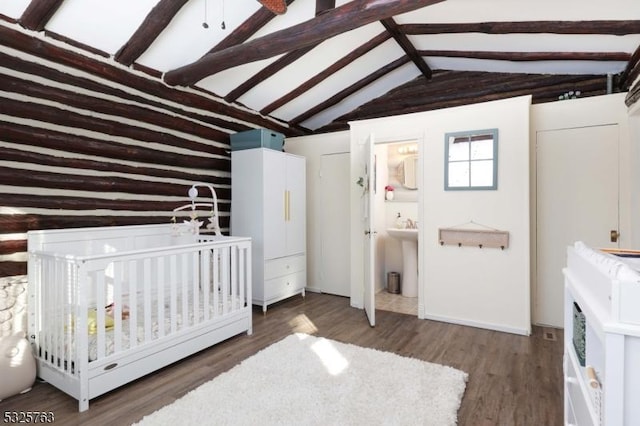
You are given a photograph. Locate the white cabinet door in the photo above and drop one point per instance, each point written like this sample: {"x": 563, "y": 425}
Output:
{"x": 274, "y": 187}
{"x": 295, "y": 214}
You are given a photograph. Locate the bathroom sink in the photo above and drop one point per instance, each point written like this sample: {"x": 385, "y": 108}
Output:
{"x": 409, "y": 240}
{"x": 403, "y": 234}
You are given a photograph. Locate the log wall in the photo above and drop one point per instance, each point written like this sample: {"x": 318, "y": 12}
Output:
{"x": 85, "y": 142}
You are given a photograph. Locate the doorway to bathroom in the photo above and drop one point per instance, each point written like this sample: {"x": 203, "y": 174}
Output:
{"x": 396, "y": 208}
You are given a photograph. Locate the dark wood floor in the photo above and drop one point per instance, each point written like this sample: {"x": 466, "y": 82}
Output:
{"x": 513, "y": 380}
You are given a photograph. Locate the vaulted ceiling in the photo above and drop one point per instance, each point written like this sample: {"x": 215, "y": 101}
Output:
{"x": 322, "y": 63}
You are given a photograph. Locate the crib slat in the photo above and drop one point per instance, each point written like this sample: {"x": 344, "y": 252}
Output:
{"x": 241, "y": 275}
{"x": 174, "y": 293}
{"x": 100, "y": 304}
{"x": 117, "y": 307}
{"x": 205, "y": 268}
{"x": 161, "y": 280}
{"x": 146, "y": 300}
{"x": 225, "y": 280}
{"x": 195, "y": 287}
{"x": 233, "y": 276}
{"x": 184, "y": 286}
{"x": 215, "y": 264}
{"x": 133, "y": 303}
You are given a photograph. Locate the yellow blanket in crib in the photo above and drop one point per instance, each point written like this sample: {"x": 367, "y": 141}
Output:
{"x": 92, "y": 320}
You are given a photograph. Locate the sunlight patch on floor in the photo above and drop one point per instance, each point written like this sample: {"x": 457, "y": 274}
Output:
{"x": 302, "y": 324}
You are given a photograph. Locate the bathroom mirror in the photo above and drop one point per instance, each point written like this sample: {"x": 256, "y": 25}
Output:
{"x": 407, "y": 171}
{"x": 471, "y": 160}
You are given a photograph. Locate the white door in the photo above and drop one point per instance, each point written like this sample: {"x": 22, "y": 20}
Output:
{"x": 577, "y": 200}
{"x": 334, "y": 222}
{"x": 369, "y": 231}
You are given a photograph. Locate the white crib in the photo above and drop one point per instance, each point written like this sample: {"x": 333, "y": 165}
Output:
{"x": 111, "y": 304}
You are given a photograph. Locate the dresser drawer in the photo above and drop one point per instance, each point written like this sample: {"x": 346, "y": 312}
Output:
{"x": 579, "y": 404}
{"x": 284, "y": 266}
{"x": 285, "y": 285}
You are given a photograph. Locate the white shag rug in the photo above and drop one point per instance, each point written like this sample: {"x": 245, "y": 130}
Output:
{"x": 306, "y": 380}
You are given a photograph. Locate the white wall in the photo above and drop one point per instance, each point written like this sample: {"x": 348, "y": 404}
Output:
{"x": 580, "y": 113}
{"x": 481, "y": 287}
{"x": 313, "y": 148}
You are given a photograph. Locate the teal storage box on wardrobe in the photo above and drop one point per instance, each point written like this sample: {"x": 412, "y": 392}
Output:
{"x": 258, "y": 138}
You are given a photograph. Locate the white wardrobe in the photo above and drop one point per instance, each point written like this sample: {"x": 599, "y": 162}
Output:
{"x": 268, "y": 205}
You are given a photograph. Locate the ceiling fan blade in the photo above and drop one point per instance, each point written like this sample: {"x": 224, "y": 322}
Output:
{"x": 276, "y": 6}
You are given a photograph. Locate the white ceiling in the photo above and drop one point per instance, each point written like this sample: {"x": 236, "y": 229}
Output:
{"x": 107, "y": 25}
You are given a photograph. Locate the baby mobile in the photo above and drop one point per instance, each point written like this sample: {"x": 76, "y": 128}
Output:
{"x": 193, "y": 225}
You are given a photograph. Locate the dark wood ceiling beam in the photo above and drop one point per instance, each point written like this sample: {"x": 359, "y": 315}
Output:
{"x": 155, "y": 22}
{"x": 345, "y": 93}
{"x": 528, "y": 27}
{"x": 336, "y": 21}
{"x": 323, "y": 6}
{"x": 479, "y": 85}
{"x": 248, "y": 28}
{"x": 418, "y": 95}
{"x": 632, "y": 68}
{"x": 407, "y": 46}
{"x": 530, "y": 56}
{"x": 266, "y": 73}
{"x": 328, "y": 72}
{"x": 38, "y": 13}
{"x": 633, "y": 96}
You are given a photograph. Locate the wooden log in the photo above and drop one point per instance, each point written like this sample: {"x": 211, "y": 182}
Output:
{"x": 27, "y": 222}
{"x": 11, "y": 269}
{"x": 154, "y": 23}
{"x": 328, "y": 72}
{"x": 529, "y": 56}
{"x": 118, "y": 110}
{"x": 345, "y": 93}
{"x": 267, "y": 72}
{"x": 617, "y": 27}
{"x": 335, "y": 21}
{"x": 56, "y": 76}
{"x": 627, "y": 77}
{"x": 407, "y": 46}
{"x": 62, "y": 117}
{"x": 11, "y": 154}
{"x": 21, "y": 41}
{"x": 57, "y": 202}
{"x": 247, "y": 28}
{"x": 100, "y": 184}
{"x": 12, "y": 246}
{"x": 50, "y": 139}
{"x": 38, "y": 13}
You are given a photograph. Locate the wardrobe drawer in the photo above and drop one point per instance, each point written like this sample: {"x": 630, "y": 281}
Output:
{"x": 284, "y": 265}
{"x": 285, "y": 285}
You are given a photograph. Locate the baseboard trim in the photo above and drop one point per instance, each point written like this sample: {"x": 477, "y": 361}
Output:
{"x": 479, "y": 324}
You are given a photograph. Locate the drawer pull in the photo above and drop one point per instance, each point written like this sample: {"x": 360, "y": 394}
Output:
{"x": 593, "y": 378}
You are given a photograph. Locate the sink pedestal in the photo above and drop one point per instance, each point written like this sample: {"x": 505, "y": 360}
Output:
{"x": 409, "y": 268}
{"x": 409, "y": 241}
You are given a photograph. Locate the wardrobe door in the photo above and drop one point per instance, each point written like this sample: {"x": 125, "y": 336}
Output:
{"x": 296, "y": 205}
{"x": 274, "y": 201}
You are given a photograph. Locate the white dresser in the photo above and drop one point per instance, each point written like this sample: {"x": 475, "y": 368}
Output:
{"x": 602, "y": 338}
{"x": 268, "y": 205}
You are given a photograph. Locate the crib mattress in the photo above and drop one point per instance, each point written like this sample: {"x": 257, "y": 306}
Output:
{"x": 155, "y": 330}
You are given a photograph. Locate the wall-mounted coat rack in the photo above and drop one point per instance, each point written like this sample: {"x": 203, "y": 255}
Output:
{"x": 489, "y": 237}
